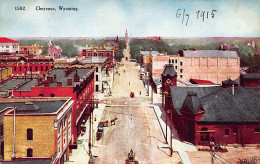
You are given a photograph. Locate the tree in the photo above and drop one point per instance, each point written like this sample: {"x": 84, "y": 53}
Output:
{"x": 119, "y": 55}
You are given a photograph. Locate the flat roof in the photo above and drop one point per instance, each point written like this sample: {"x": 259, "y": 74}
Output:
{"x": 33, "y": 105}
{"x": 28, "y": 85}
{"x": 11, "y": 83}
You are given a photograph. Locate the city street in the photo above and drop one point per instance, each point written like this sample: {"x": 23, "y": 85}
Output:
{"x": 136, "y": 127}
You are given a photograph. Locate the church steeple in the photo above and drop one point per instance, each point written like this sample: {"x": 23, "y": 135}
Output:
{"x": 126, "y": 34}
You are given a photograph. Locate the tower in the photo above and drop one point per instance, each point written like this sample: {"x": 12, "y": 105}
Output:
{"x": 126, "y": 35}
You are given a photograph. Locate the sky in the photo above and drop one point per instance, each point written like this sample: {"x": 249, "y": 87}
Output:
{"x": 109, "y": 18}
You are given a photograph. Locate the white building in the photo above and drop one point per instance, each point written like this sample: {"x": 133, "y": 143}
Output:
{"x": 8, "y": 45}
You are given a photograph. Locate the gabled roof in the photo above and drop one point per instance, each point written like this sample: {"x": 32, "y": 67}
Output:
{"x": 220, "y": 105}
{"x": 229, "y": 82}
{"x": 169, "y": 70}
{"x": 192, "y": 103}
{"x": 7, "y": 40}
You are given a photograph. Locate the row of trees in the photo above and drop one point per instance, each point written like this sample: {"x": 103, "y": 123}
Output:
{"x": 119, "y": 53}
{"x": 246, "y": 53}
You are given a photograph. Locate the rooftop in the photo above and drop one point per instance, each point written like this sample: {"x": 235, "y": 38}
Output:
{"x": 198, "y": 81}
{"x": 61, "y": 75}
{"x": 28, "y": 85}
{"x": 7, "y": 40}
{"x": 33, "y": 105}
{"x": 169, "y": 70}
{"x": 251, "y": 76}
{"x": 210, "y": 53}
{"x": 11, "y": 83}
{"x": 220, "y": 105}
{"x": 148, "y": 52}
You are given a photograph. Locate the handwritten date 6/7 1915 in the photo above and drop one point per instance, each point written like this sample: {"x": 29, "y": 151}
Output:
{"x": 199, "y": 15}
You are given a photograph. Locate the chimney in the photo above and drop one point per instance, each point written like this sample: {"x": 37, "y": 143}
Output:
{"x": 25, "y": 51}
{"x": 76, "y": 77}
{"x": 49, "y": 79}
{"x": 54, "y": 76}
{"x": 46, "y": 84}
{"x": 84, "y": 52}
{"x": 69, "y": 81}
{"x": 59, "y": 84}
{"x": 233, "y": 89}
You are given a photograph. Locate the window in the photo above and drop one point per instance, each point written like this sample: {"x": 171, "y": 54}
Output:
{"x": 41, "y": 68}
{"x": 176, "y": 67}
{"x": 169, "y": 61}
{"x": 107, "y": 54}
{"x": 181, "y": 76}
{"x": 52, "y": 95}
{"x": 64, "y": 131}
{"x": 96, "y": 77}
{"x": 226, "y": 132}
{"x": 29, "y": 134}
{"x": 175, "y": 60}
{"x": 235, "y": 130}
{"x": 69, "y": 125}
{"x": 181, "y": 70}
{"x": 2, "y": 130}
{"x": 31, "y": 68}
{"x": 172, "y": 60}
{"x": 20, "y": 68}
{"x": 29, "y": 152}
{"x": 14, "y": 68}
{"x": 96, "y": 69}
{"x": 36, "y": 68}
{"x": 257, "y": 130}
{"x": 181, "y": 63}
{"x": 41, "y": 95}
{"x": 47, "y": 68}
{"x": 7, "y": 46}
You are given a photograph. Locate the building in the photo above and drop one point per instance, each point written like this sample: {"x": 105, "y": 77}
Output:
{"x": 227, "y": 114}
{"x": 54, "y": 51}
{"x": 103, "y": 77}
{"x": 5, "y": 73}
{"x": 145, "y": 58}
{"x": 33, "y": 49}
{"x": 250, "y": 80}
{"x": 8, "y": 45}
{"x": 72, "y": 82}
{"x": 27, "y": 66}
{"x": 99, "y": 52}
{"x": 37, "y": 128}
{"x": 213, "y": 65}
{"x": 126, "y": 36}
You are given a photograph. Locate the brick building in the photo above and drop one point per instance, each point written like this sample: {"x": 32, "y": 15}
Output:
{"x": 102, "y": 51}
{"x": 8, "y": 45}
{"x": 103, "y": 79}
{"x": 250, "y": 80}
{"x": 22, "y": 66}
{"x": 54, "y": 51}
{"x": 74, "y": 82}
{"x": 213, "y": 65}
{"x": 226, "y": 114}
{"x": 5, "y": 73}
{"x": 37, "y": 128}
{"x": 33, "y": 49}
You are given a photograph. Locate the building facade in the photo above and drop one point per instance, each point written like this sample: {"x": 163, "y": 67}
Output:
{"x": 54, "y": 51}
{"x": 213, "y": 65}
{"x": 250, "y": 80}
{"x": 37, "y": 128}
{"x": 73, "y": 82}
{"x": 5, "y": 73}
{"x": 33, "y": 49}
{"x": 8, "y": 45}
{"x": 222, "y": 115}
{"x": 25, "y": 66}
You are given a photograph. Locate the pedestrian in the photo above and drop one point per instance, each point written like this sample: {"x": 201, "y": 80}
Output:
{"x": 129, "y": 83}
{"x": 140, "y": 92}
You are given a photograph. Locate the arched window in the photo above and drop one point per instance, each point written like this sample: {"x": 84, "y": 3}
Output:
{"x": 29, "y": 152}
{"x": 204, "y": 129}
{"x": 29, "y": 134}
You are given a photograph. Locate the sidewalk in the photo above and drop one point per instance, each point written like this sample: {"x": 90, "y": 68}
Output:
{"x": 177, "y": 145}
{"x": 81, "y": 154}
